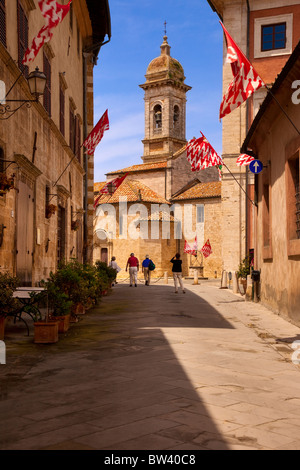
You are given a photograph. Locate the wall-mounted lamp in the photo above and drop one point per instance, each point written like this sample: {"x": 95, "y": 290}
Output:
{"x": 37, "y": 83}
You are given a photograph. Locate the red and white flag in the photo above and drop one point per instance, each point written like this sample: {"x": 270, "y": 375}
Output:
{"x": 206, "y": 249}
{"x": 53, "y": 13}
{"x": 244, "y": 160}
{"x": 191, "y": 250}
{"x": 188, "y": 249}
{"x": 245, "y": 79}
{"x": 96, "y": 135}
{"x": 195, "y": 246}
{"x": 110, "y": 188}
{"x": 201, "y": 154}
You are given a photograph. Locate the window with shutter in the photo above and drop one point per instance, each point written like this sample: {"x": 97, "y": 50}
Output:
{"x": 47, "y": 93}
{"x": 2, "y": 162}
{"x": 2, "y": 23}
{"x": 77, "y": 138}
{"x": 62, "y": 111}
{"x": 72, "y": 129}
{"x": 22, "y": 38}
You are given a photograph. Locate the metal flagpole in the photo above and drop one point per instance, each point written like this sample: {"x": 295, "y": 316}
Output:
{"x": 282, "y": 109}
{"x": 252, "y": 202}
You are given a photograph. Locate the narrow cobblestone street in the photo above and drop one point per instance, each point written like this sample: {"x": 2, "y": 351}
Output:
{"x": 152, "y": 370}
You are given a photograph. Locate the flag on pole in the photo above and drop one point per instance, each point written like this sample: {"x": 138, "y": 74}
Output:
{"x": 245, "y": 79}
{"x": 53, "y": 13}
{"x": 191, "y": 250}
{"x": 201, "y": 154}
{"x": 244, "y": 160}
{"x": 195, "y": 246}
{"x": 188, "y": 249}
{"x": 96, "y": 135}
{"x": 206, "y": 249}
{"x": 110, "y": 188}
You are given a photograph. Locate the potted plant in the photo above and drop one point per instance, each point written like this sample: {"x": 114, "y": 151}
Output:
{"x": 8, "y": 303}
{"x": 243, "y": 272}
{"x": 105, "y": 275}
{"x": 75, "y": 225}
{"x": 74, "y": 280}
{"x": 58, "y": 304}
{"x": 45, "y": 331}
{"x": 6, "y": 183}
{"x": 50, "y": 210}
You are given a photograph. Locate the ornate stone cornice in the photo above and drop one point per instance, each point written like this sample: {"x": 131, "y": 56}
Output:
{"x": 27, "y": 166}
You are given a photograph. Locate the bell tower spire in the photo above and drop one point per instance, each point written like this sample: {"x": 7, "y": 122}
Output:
{"x": 165, "y": 106}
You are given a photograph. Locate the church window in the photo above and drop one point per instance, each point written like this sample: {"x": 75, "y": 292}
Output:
{"x": 200, "y": 214}
{"x": 176, "y": 116}
{"x": 157, "y": 117}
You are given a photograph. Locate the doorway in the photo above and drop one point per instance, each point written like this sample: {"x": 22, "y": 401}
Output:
{"x": 61, "y": 234}
{"x": 25, "y": 228}
{"x": 104, "y": 255}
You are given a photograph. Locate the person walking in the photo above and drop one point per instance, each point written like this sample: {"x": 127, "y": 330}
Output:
{"x": 146, "y": 270}
{"x": 177, "y": 272}
{"x": 133, "y": 264}
{"x": 113, "y": 264}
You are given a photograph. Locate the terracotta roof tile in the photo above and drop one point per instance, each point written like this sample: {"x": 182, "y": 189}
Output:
{"x": 200, "y": 191}
{"x": 135, "y": 191}
{"x": 141, "y": 167}
{"x": 98, "y": 186}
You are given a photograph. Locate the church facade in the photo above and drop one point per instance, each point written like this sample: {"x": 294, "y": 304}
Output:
{"x": 162, "y": 204}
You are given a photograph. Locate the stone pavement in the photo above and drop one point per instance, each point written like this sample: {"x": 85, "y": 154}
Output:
{"x": 153, "y": 370}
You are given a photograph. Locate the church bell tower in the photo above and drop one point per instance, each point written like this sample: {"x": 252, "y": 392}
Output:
{"x": 165, "y": 107}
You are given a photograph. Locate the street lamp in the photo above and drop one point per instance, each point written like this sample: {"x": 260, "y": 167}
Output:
{"x": 36, "y": 81}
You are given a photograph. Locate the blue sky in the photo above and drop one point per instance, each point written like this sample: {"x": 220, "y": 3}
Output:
{"x": 196, "y": 40}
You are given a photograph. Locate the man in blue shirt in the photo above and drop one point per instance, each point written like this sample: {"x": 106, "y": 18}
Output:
{"x": 146, "y": 270}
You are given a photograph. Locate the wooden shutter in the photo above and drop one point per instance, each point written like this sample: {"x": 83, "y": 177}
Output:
{"x": 22, "y": 38}
{"x": 61, "y": 234}
{"x": 25, "y": 228}
{"x": 72, "y": 130}
{"x": 62, "y": 111}
{"x": 2, "y": 23}
{"x": 77, "y": 138}
{"x": 47, "y": 93}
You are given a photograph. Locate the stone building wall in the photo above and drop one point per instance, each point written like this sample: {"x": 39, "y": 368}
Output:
{"x": 44, "y": 166}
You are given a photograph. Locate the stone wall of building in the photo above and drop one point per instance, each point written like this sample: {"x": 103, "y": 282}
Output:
{"x": 47, "y": 161}
{"x": 182, "y": 174}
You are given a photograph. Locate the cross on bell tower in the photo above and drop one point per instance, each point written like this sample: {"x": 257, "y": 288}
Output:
{"x": 165, "y": 106}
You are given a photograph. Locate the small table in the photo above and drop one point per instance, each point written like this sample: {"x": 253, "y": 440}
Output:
{"x": 23, "y": 295}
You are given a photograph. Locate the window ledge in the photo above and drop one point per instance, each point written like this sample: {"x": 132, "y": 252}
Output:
{"x": 267, "y": 253}
{"x": 293, "y": 247}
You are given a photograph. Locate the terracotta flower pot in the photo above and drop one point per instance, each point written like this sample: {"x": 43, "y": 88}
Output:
{"x": 243, "y": 282}
{"x": 78, "y": 309}
{"x": 46, "y": 332}
{"x": 63, "y": 322}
